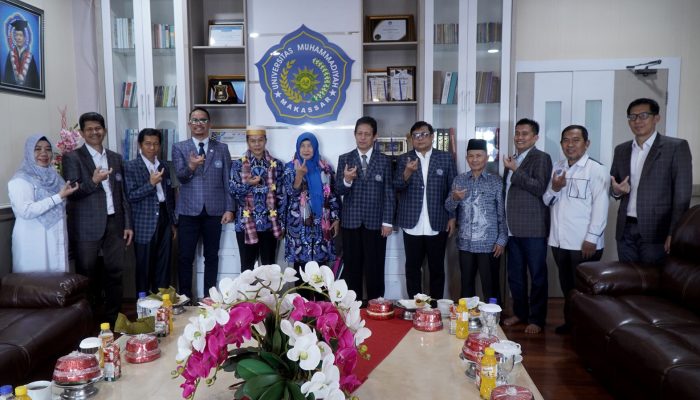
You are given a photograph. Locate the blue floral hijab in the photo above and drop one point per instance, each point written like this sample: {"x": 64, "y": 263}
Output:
{"x": 46, "y": 181}
{"x": 313, "y": 176}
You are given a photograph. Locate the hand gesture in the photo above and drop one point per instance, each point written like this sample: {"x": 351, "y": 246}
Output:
{"x": 558, "y": 181}
{"x": 100, "y": 175}
{"x": 226, "y": 218}
{"x": 411, "y": 167}
{"x": 387, "y": 231}
{"x": 497, "y": 250}
{"x": 195, "y": 161}
{"x": 254, "y": 180}
{"x": 620, "y": 188}
{"x": 156, "y": 177}
{"x": 349, "y": 174}
{"x": 458, "y": 195}
{"x": 509, "y": 163}
{"x": 300, "y": 170}
{"x": 128, "y": 236}
{"x": 587, "y": 250}
{"x": 67, "y": 189}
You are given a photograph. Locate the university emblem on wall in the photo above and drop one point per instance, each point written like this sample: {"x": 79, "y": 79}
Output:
{"x": 305, "y": 78}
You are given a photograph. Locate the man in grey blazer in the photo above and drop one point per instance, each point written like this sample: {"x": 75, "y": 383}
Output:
{"x": 99, "y": 216}
{"x": 202, "y": 166}
{"x": 526, "y": 179}
{"x": 652, "y": 176}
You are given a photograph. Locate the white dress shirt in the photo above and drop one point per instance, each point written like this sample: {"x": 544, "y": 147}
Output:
{"x": 205, "y": 141}
{"x": 100, "y": 160}
{"x": 153, "y": 167}
{"x": 639, "y": 155}
{"x": 509, "y": 174}
{"x": 423, "y": 227}
{"x": 579, "y": 210}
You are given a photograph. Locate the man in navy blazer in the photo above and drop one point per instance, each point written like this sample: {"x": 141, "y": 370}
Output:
{"x": 152, "y": 198}
{"x": 423, "y": 181}
{"x": 99, "y": 217}
{"x": 652, "y": 176}
{"x": 526, "y": 179}
{"x": 202, "y": 166}
{"x": 368, "y": 210}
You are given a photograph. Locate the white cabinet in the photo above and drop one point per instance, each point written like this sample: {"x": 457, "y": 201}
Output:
{"x": 145, "y": 71}
{"x": 469, "y": 40}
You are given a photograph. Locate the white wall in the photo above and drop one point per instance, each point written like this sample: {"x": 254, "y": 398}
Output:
{"x": 602, "y": 29}
{"x": 23, "y": 116}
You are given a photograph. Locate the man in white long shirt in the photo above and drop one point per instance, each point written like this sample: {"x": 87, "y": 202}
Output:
{"x": 577, "y": 197}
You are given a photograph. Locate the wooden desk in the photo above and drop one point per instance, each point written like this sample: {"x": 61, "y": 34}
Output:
{"x": 422, "y": 366}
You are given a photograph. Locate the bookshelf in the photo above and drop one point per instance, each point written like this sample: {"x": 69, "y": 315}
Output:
{"x": 144, "y": 68}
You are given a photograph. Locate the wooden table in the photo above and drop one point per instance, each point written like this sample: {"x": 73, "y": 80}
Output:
{"x": 422, "y": 366}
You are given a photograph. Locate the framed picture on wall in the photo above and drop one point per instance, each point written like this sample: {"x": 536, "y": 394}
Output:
{"x": 221, "y": 89}
{"x": 376, "y": 86}
{"x": 225, "y": 34}
{"x": 22, "y": 48}
{"x": 402, "y": 83}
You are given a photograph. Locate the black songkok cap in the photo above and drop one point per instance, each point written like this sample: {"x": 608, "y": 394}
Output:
{"x": 19, "y": 24}
{"x": 476, "y": 144}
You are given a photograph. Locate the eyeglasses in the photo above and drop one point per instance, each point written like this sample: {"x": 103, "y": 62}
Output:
{"x": 420, "y": 135}
{"x": 195, "y": 121}
{"x": 642, "y": 116}
{"x": 94, "y": 130}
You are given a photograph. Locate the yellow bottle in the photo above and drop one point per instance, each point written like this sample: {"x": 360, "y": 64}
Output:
{"x": 462, "y": 319}
{"x": 21, "y": 393}
{"x": 168, "y": 305}
{"x": 489, "y": 371}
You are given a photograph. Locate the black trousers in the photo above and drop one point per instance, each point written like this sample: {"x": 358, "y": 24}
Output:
{"x": 417, "y": 249}
{"x": 364, "y": 251}
{"x": 567, "y": 261}
{"x": 266, "y": 249}
{"x": 488, "y": 267}
{"x": 153, "y": 258}
{"x": 190, "y": 229}
{"x": 106, "y": 289}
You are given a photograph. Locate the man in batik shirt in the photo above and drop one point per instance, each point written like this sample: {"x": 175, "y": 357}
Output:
{"x": 257, "y": 186}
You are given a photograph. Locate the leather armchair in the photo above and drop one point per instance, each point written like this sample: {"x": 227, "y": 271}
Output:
{"x": 637, "y": 327}
{"x": 43, "y": 316}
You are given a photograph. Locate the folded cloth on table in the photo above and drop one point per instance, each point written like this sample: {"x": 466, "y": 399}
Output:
{"x": 141, "y": 325}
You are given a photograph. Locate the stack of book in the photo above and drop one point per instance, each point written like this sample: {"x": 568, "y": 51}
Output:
{"x": 444, "y": 87}
{"x": 129, "y": 95}
{"x": 165, "y": 96}
{"x": 163, "y": 36}
{"x": 445, "y": 140}
{"x": 489, "y": 32}
{"x": 488, "y": 87}
{"x": 446, "y": 33}
{"x": 123, "y": 33}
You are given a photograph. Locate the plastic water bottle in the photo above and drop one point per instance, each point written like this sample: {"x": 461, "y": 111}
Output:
{"x": 6, "y": 392}
{"x": 493, "y": 300}
{"x": 489, "y": 372}
{"x": 140, "y": 309}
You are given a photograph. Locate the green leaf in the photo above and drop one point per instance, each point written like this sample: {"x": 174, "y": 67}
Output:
{"x": 295, "y": 391}
{"x": 257, "y": 385}
{"x": 276, "y": 341}
{"x": 273, "y": 392}
{"x": 251, "y": 367}
{"x": 273, "y": 359}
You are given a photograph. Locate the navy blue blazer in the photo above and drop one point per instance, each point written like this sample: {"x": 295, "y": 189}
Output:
{"x": 370, "y": 200}
{"x": 207, "y": 186}
{"x": 143, "y": 198}
{"x": 441, "y": 173}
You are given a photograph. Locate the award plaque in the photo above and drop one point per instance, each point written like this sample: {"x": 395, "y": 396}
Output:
{"x": 221, "y": 89}
{"x": 390, "y": 28}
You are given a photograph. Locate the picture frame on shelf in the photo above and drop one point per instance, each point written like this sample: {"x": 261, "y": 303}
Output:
{"x": 376, "y": 86}
{"x": 225, "y": 34}
{"x": 391, "y": 146}
{"x": 232, "y": 136}
{"x": 23, "y": 27}
{"x": 390, "y": 28}
{"x": 402, "y": 83}
{"x": 221, "y": 89}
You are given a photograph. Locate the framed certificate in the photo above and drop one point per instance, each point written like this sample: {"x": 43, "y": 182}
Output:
{"x": 402, "y": 83}
{"x": 390, "y": 28}
{"x": 376, "y": 86}
{"x": 391, "y": 146}
{"x": 233, "y": 137}
{"x": 225, "y": 34}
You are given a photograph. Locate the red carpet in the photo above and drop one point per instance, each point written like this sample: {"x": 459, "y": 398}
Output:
{"x": 385, "y": 336}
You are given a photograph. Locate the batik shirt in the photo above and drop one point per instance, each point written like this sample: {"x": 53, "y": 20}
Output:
{"x": 240, "y": 190}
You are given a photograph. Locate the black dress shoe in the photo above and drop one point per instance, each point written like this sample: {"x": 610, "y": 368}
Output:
{"x": 563, "y": 329}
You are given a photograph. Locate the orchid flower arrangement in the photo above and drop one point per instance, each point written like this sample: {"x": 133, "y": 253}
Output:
{"x": 279, "y": 344}
{"x": 70, "y": 139}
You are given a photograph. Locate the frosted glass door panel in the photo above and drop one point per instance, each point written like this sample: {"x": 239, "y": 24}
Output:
{"x": 552, "y": 133}
{"x": 594, "y": 110}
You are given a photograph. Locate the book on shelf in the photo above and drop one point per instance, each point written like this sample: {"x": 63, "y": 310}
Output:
{"x": 451, "y": 97}
{"x": 445, "y": 140}
{"x": 438, "y": 82}
{"x": 446, "y": 33}
{"x": 123, "y": 33}
{"x": 165, "y": 96}
{"x": 163, "y": 36}
{"x": 129, "y": 95}
{"x": 489, "y": 32}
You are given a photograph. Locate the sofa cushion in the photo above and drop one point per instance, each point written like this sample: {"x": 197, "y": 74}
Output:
{"x": 680, "y": 281}
{"x": 682, "y": 382}
{"x": 41, "y": 289}
{"x": 658, "y": 311}
{"x": 14, "y": 365}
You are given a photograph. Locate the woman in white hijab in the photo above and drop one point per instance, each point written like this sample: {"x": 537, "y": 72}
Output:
{"x": 37, "y": 193}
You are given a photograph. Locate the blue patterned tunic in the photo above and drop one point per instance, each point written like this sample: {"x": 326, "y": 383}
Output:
{"x": 309, "y": 241}
{"x": 240, "y": 190}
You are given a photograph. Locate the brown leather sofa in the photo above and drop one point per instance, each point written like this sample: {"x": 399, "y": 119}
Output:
{"x": 637, "y": 327}
{"x": 43, "y": 316}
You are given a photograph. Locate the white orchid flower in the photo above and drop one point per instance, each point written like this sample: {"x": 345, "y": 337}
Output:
{"x": 269, "y": 275}
{"x": 289, "y": 275}
{"x": 288, "y": 303}
{"x": 324, "y": 381}
{"x": 215, "y": 312}
{"x": 325, "y": 350}
{"x": 316, "y": 386}
{"x": 229, "y": 289}
{"x": 349, "y": 301}
{"x": 296, "y": 331}
{"x": 362, "y": 334}
{"x": 306, "y": 352}
{"x": 196, "y": 331}
{"x": 316, "y": 276}
{"x": 337, "y": 290}
{"x": 260, "y": 327}
{"x": 354, "y": 320}
{"x": 184, "y": 348}
{"x": 335, "y": 394}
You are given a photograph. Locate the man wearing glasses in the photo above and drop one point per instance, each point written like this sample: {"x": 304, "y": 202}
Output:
{"x": 202, "y": 166}
{"x": 423, "y": 182}
{"x": 652, "y": 176}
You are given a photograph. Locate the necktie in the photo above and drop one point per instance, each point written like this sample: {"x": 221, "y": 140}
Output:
{"x": 201, "y": 148}
{"x": 364, "y": 164}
